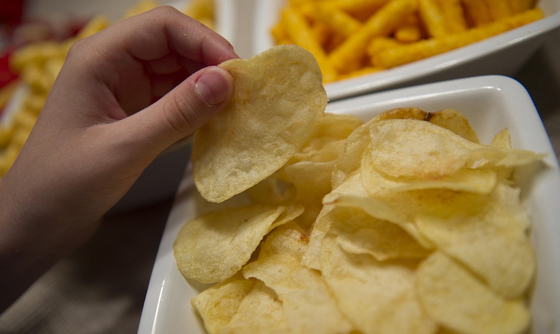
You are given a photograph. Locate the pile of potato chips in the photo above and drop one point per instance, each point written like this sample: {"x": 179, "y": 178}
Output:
{"x": 354, "y": 37}
{"x": 403, "y": 224}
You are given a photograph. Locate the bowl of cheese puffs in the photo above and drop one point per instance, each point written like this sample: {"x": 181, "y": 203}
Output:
{"x": 373, "y": 45}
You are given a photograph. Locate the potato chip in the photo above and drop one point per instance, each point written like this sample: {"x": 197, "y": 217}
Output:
{"x": 271, "y": 191}
{"x": 288, "y": 239}
{"x": 320, "y": 229}
{"x": 219, "y": 303}
{"x": 259, "y": 312}
{"x": 290, "y": 213}
{"x": 278, "y": 100}
{"x": 378, "y": 297}
{"x": 326, "y": 142}
{"x": 457, "y": 300}
{"x": 421, "y": 149}
{"x": 336, "y": 126}
{"x": 213, "y": 247}
{"x": 480, "y": 181}
{"x": 455, "y": 121}
{"x": 350, "y": 159}
{"x": 502, "y": 140}
{"x": 417, "y": 149}
{"x": 353, "y": 194}
{"x": 493, "y": 244}
{"x": 311, "y": 179}
{"x": 307, "y": 303}
{"x": 359, "y": 233}
{"x": 323, "y": 149}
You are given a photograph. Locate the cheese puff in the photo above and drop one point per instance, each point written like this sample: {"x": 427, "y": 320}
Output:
{"x": 144, "y": 6}
{"x": 442, "y": 17}
{"x": 23, "y": 118}
{"x": 7, "y": 159}
{"x": 6, "y": 134}
{"x": 36, "y": 53}
{"x": 381, "y": 43}
{"x": 34, "y": 102}
{"x": 518, "y": 6}
{"x": 20, "y": 136}
{"x": 339, "y": 21}
{"x": 349, "y": 55}
{"x": 360, "y": 72}
{"x": 6, "y": 93}
{"x": 96, "y": 24}
{"x": 415, "y": 51}
{"x": 433, "y": 18}
{"x": 300, "y": 32}
{"x": 499, "y": 8}
{"x": 322, "y": 33}
{"x": 454, "y": 15}
{"x": 361, "y": 9}
{"x": 32, "y": 75}
{"x": 408, "y": 34}
{"x": 477, "y": 12}
{"x": 280, "y": 35}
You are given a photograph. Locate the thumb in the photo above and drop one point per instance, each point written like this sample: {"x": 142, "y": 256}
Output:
{"x": 184, "y": 109}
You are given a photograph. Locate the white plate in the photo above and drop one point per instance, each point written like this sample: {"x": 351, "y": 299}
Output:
{"x": 490, "y": 103}
{"x": 503, "y": 54}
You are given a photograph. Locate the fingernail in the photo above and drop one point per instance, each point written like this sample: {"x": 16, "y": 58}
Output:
{"x": 214, "y": 85}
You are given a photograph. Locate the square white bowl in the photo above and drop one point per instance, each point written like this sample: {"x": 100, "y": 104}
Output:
{"x": 503, "y": 54}
{"x": 491, "y": 103}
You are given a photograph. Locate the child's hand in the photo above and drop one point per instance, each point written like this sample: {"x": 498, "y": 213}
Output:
{"x": 100, "y": 128}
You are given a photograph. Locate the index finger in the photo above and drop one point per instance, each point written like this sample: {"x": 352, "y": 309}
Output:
{"x": 163, "y": 30}
{"x": 181, "y": 33}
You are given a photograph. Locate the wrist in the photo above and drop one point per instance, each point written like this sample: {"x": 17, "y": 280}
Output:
{"x": 31, "y": 242}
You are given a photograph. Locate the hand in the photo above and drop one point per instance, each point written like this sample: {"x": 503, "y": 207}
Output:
{"x": 122, "y": 97}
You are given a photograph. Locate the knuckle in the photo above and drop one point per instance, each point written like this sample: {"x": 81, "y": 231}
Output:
{"x": 181, "y": 114}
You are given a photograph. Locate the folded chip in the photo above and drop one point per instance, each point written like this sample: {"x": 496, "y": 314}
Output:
{"x": 215, "y": 246}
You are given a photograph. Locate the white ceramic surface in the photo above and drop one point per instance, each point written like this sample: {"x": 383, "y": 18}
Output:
{"x": 225, "y": 20}
{"x": 503, "y": 54}
{"x": 490, "y": 103}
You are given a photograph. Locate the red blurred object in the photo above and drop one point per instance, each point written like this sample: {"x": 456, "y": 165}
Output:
{"x": 6, "y": 74}
{"x": 11, "y": 11}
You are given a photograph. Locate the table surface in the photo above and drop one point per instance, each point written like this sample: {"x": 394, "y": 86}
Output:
{"x": 101, "y": 287}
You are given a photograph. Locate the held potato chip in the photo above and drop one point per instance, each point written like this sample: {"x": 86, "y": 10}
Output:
{"x": 213, "y": 247}
{"x": 458, "y": 300}
{"x": 278, "y": 100}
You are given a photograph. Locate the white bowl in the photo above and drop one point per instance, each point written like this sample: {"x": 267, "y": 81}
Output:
{"x": 502, "y": 54}
{"x": 490, "y": 103}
